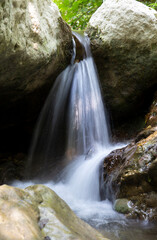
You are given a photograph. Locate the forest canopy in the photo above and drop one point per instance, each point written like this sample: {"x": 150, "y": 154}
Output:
{"x": 78, "y": 12}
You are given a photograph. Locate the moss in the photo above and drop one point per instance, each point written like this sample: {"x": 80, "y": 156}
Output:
{"x": 123, "y": 206}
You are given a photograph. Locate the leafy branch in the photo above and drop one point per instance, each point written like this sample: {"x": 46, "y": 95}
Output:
{"x": 78, "y": 12}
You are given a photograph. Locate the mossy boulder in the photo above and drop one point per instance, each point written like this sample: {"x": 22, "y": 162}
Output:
{"x": 123, "y": 205}
{"x": 123, "y": 38}
{"x": 37, "y": 213}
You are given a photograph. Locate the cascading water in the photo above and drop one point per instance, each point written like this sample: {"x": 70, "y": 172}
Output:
{"x": 72, "y": 128}
{"x": 72, "y": 122}
{"x": 72, "y": 138}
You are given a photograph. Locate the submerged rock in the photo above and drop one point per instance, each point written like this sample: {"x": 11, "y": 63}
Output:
{"x": 35, "y": 46}
{"x": 38, "y": 213}
{"x": 123, "y": 38}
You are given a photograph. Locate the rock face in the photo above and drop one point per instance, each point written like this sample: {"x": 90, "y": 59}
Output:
{"x": 37, "y": 213}
{"x": 131, "y": 172}
{"x": 134, "y": 176}
{"x": 123, "y": 38}
{"x": 35, "y": 45}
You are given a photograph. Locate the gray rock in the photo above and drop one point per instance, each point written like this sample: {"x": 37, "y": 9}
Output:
{"x": 35, "y": 46}
{"x": 34, "y": 43}
{"x": 123, "y": 37}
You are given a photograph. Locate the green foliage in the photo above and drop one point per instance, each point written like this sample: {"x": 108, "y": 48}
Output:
{"x": 150, "y": 3}
{"x": 77, "y": 12}
{"x": 153, "y": 5}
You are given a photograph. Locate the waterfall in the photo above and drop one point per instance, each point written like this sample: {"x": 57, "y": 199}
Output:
{"x": 72, "y": 122}
{"x": 71, "y": 141}
{"x": 72, "y": 138}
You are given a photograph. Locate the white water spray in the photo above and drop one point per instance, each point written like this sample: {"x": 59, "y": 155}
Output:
{"x": 72, "y": 128}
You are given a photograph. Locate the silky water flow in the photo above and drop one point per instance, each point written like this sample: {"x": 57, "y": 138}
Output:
{"x": 72, "y": 138}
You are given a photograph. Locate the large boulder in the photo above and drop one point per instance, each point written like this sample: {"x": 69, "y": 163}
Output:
{"x": 37, "y": 213}
{"x": 130, "y": 173}
{"x": 123, "y": 36}
{"x": 35, "y": 45}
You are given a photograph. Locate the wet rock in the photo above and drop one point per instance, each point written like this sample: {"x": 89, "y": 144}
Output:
{"x": 20, "y": 211}
{"x": 80, "y": 51}
{"x": 123, "y": 206}
{"x": 131, "y": 172}
{"x": 150, "y": 121}
{"x": 144, "y": 207}
{"x": 151, "y": 117}
{"x": 123, "y": 38}
{"x": 145, "y": 133}
{"x": 151, "y": 199}
{"x": 133, "y": 175}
